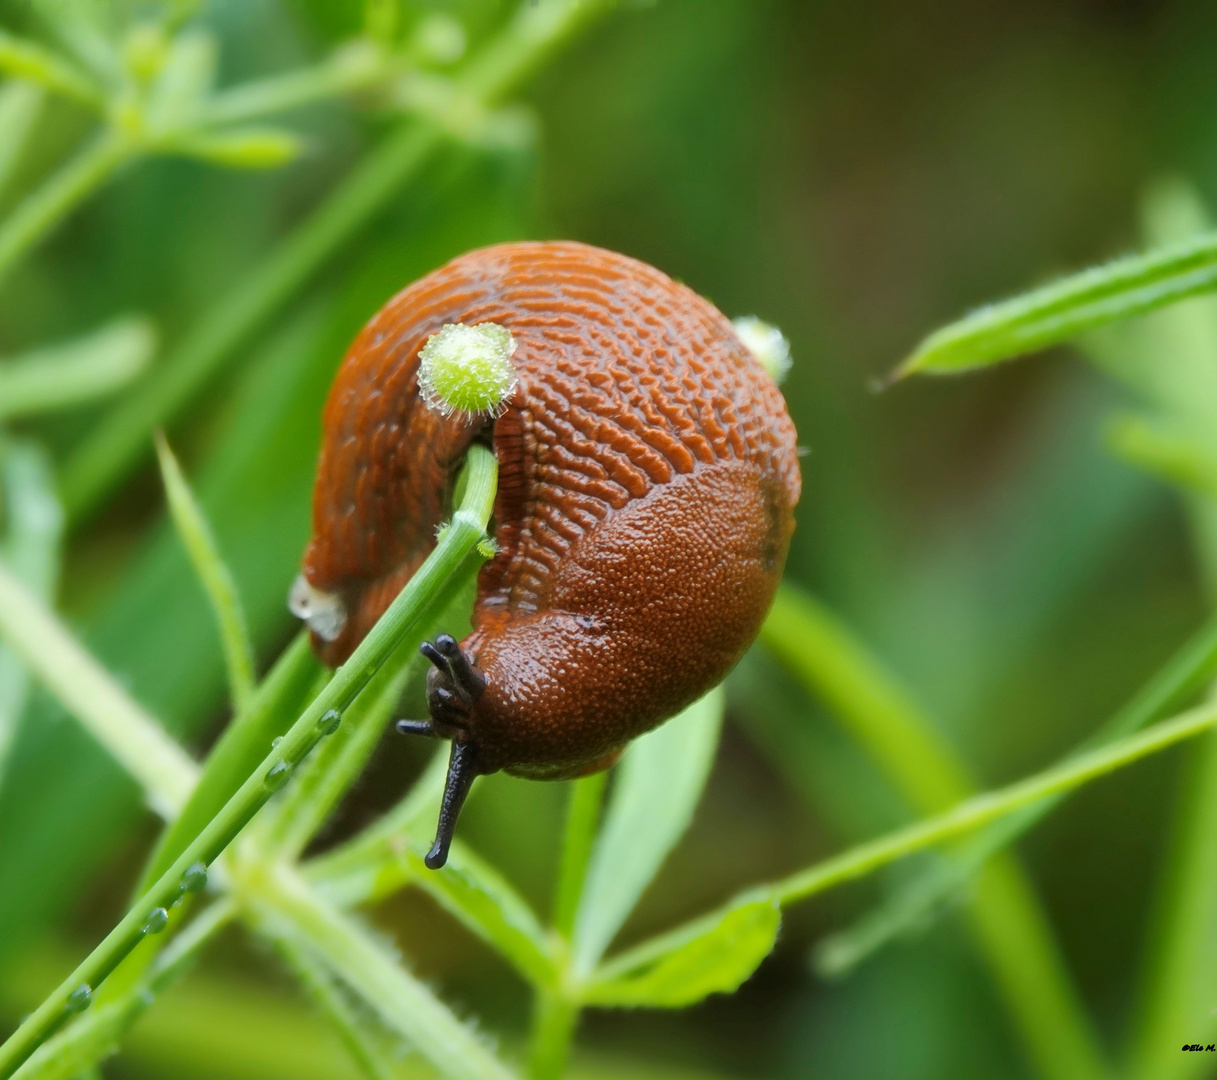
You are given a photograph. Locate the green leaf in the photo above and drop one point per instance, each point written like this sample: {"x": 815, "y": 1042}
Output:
{"x": 657, "y": 788}
{"x": 715, "y": 961}
{"x": 78, "y": 371}
{"x": 1064, "y": 309}
{"x": 242, "y": 148}
{"x": 195, "y": 532}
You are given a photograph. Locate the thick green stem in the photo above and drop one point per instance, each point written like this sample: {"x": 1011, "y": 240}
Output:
{"x": 410, "y": 607}
{"x": 401, "y": 1000}
{"x": 327, "y": 996}
{"x": 90, "y": 694}
{"x": 98, "y": 1032}
{"x": 555, "y": 1008}
{"x": 554, "y": 1019}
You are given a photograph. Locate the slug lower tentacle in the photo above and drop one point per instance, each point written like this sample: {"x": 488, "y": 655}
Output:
{"x": 647, "y": 481}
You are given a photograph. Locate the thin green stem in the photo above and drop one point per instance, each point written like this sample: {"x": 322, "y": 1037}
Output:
{"x": 121, "y": 439}
{"x": 1178, "y": 683}
{"x": 303, "y": 810}
{"x": 972, "y": 813}
{"x": 1013, "y": 933}
{"x": 135, "y": 739}
{"x": 966, "y": 817}
{"x": 21, "y": 58}
{"x": 582, "y": 817}
{"x": 356, "y": 67}
{"x": 407, "y": 610}
{"x": 285, "y": 692}
{"x": 42, "y": 210}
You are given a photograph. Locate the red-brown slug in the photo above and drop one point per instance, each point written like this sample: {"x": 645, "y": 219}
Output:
{"x": 647, "y": 481}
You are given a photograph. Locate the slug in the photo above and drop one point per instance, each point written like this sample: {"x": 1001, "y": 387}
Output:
{"x": 648, "y": 476}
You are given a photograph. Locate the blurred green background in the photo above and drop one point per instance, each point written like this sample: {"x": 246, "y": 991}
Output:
{"x": 857, "y": 174}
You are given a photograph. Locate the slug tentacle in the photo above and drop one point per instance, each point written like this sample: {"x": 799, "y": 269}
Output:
{"x": 462, "y": 768}
{"x": 647, "y": 480}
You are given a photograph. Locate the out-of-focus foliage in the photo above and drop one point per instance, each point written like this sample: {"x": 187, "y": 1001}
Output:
{"x": 1006, "y": 557}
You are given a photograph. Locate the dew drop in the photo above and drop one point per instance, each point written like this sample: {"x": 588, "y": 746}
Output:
{"x": 80, "y": 998}
{"x": 277, "y": 776}
{"x": 194, "y": 878}
{"x": 330, "y": 719}
{"x": 157, "y": 920}
{"x": 274, "y": 743}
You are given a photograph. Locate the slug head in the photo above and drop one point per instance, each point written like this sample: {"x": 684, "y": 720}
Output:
{"x": 454, "y": 685}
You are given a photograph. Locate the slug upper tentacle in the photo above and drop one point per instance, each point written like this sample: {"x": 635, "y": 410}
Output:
{"x": 647, "y": 480}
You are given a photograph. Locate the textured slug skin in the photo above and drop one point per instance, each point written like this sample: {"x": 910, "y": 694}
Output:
{"x": 647, "y": 481}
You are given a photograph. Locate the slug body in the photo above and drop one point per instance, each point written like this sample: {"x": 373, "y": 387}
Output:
{"x": 647, "y": 481}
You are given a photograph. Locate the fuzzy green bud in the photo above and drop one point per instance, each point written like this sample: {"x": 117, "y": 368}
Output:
{"x": 767, "y": 343}
{"x": 467, "y": 369}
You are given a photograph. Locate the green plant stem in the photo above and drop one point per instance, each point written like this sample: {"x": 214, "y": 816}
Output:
{"x": 972, "y": 813}
{"x": 1175, "y": 1006}
{"x": 556, "y": 1009}
{"x": 965, "y": 817}
{"x": 1007, "y": 920}
{"x": 285, "y": 691}
{"x": 99, "y": 1032}
{"x": 121, "y": 439}
{"x": 89, "y": 693}
{"x": 287, "y": 828}
{"x": 411, "y": 606}
{"x": 402, "y": 1001}
{"x": 1178, "y": 683}
{"x": 582, "y": 817}
{"x": 330, "y": 1002}
{"x": 554, "y": 1019}
{"x": 42, "y": 210}
{"x": 279, "y": 93}
{"x": 21, "y": 58}
{"x": 305, "y": 808}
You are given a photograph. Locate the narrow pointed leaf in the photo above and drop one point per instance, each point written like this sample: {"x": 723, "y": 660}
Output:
{"x": 1071, "y": 306}
{"x": 657, "y": 788}
{"x": 195, "y": 532}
